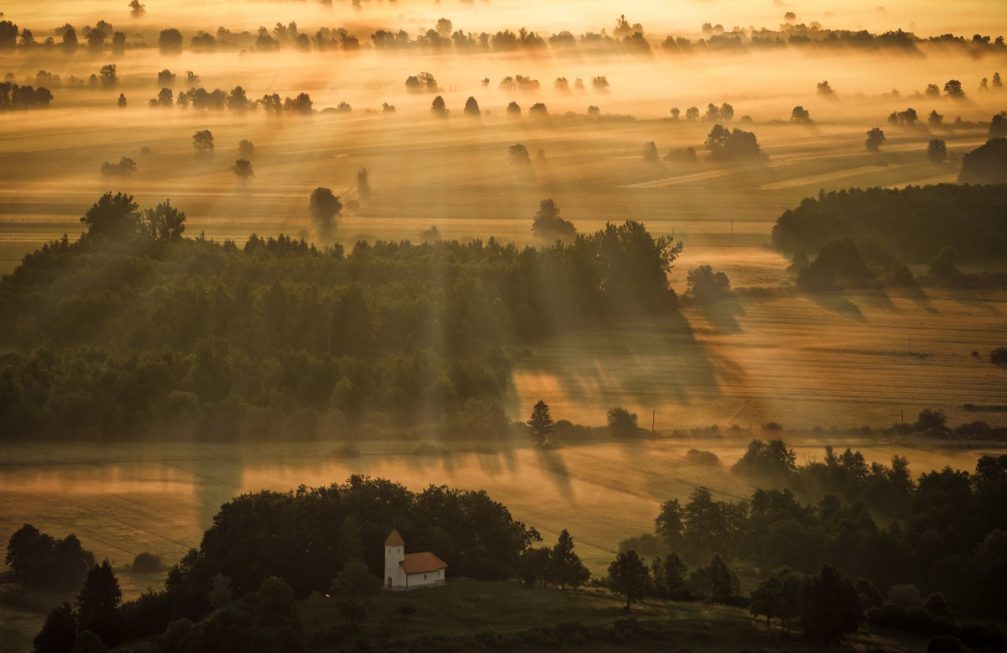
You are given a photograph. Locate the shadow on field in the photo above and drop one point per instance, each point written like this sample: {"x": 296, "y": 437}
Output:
{"x": 838, "y": 304}
{"x": 723, "y": 316}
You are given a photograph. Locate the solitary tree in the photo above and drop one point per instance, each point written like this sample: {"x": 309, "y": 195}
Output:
{"x": 439, "y": 107}
{"x": 242, "y": 169}
{"x": 246, "y": 149}
{"x": 202, "y": 141}
{"x": 514, "y": 109}
{"x": 325, "y": 207}
{"x": 472, "y": 108}
{"x": 566, "y": 568}
{"x": 935, "y": 119}
{"x": 800, "y": 115}
{"x": 540, "y": 422}
{"x": 170, "y": 41}
{"x": 875, "y": 139}
{"x": 519, "y": 154}
{"x": 364, "y": 184}
{"x": 937, "y": 151}
{"x": 650, "y": 152}
{"x": 953, "y": 89}
{"x": 621, "y": 422}
{"x": 629, "y": 576}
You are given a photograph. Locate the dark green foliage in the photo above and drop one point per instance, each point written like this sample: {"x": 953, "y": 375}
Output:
{"x": 768, "y": 460}
{"x": 38, "y": 560}
{"x": 629, "y": 576}
{"x": 839, "y": 264}
{"x": 549, "y": 227}
{"x": 830, "y": 609}
{"x": 88, "y": 642}
{"x": 778, "y": 597}
{"x": 913, "y": 224}
{"x": 875, "y": 139}
{"x": 733, "y": 145}
{"x": 565, "y": 567}
{"x": 354, "y": 587}
{"x": 58, "y": 631}
{"x": 145, "y": 333}
{"x": 707, "y": 286}
{"x": 144, "y": 616}
{"x": 670, "y": 577}
{"x": 541, "y": 422}
{"x": 98, "y": 603}
{"x": 622, "y": 423}
{"x": 987, "y": 164}
{"x": 669, "y": 524}
{"x": 298, "y": 537}
{"x": 716, "y": 581}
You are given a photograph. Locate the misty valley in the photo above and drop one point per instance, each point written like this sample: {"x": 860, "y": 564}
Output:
{"x": 477, "y": 325}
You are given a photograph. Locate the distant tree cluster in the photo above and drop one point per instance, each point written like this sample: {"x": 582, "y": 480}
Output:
{"x": 13, "y": 96}
{"x": 733, "y": 145}
{"x": 558, "y": 566}
{"x": 235, "y": 100}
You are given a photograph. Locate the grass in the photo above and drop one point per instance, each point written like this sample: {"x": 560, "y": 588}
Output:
{"x": 463, "y": 609}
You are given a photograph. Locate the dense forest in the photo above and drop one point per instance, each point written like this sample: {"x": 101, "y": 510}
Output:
{"x": 136, "y": 331}
{"x": 913, "y": 224}
{"x": 942, "y": 532}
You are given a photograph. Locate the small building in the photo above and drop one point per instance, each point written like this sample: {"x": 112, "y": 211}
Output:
{"x": 406, "y": 571}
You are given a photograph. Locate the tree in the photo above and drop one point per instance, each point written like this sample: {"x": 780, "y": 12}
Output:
{"x": 830, "y": 608}
{"x": 438, "y": 107}
{"x": 121, "y": 102}
{"x": 170, "y": 41}
{"x": 622, "y": 423}
{"x": 514, "y": 109}
{"x": 202, "y": 141}
{"x": 325, "y": 208}
{"x": 58, "y": 631}
{"x": 98, "y": 602}
{"x": 246, "y": 149}
{"x": 670, "y": 577}
{"x": 650, "y": 152}
{"x": 472, "y": 108}
{"x": 778, "y": 597}
{"x": 937, "y": 151}
{"x": 539, "y": 110}
{"x": 88, "y": 642}
{"x": 707, "y": 286}
{"x": 825, "y": 90}
{"x": 669, "y": 524}
{"x": 519, "y": 154}
{"x": 364, "y": 184}
{"x": 945, "y": 268}
{"x": 108, "y": 76}
{"x": 675, "y": 113}
{"x": 953, "y": 89}
{"x": 114, "y": 216}
{"x": 935, "y": 119}
{"x": 875, "y": 139}
{"x": 220, "y": 591}
{"x": 566, "y": 569}
{"x": 718, "y": 581}
{"x": 540, "y": 422}
{"x": 242, "y": 169}
{"x": 549, "y": 227}
{"x": 800, "y": 115}
{"x": 163, "y": 223}
{"x": 354, "y": 587}
{"x": 69, "y": 43}
{"x": 731, "y": 145}
{"x": 629, "y": 576}
{"x": 692, "y": 114}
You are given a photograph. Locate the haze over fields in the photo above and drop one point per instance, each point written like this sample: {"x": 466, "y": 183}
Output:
{"x": 652, "y": 216}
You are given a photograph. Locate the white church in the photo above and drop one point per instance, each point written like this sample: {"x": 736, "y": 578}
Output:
{"x": 406, "y": 571}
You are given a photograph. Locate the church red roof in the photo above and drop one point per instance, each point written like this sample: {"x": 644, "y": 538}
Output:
{"x": 394, "y": 539}
{"x": 422, "y": 563}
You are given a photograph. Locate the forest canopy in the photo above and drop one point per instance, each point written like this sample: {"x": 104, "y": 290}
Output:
{"x": 913, "y": 224}
{"x": 134, "y": 330}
